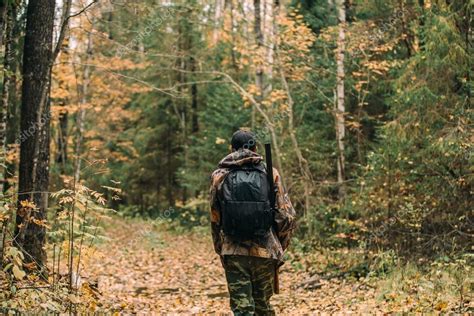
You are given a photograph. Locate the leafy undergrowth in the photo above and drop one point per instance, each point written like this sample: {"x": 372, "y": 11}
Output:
{"x": 446, "y": 286}
{"x": 146, "y": 269}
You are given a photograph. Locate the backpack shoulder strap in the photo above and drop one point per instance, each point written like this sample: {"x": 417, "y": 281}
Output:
{"x": 272, "y": 190}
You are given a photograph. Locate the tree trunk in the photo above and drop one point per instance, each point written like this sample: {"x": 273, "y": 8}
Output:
{"x": 408, "y": 40}
{"x": 10, "y": 16}
{"x": 259, "y": 69}
{"x": 464, "y": 23}
{"x": 194, "y": 100}
{"x": 340, "y": 105}
{"x": 422, "y": 22}
{"x": 34, "y": 125}
{"x": 169, "y": 170}
{"x": 468, "y": 36}
{"x": 13, "y": 114}
{"x": 258, "y": 38}
{"x": 61, "y": 157}
{"x": 62, "y": 138}
{"x": 233, "y": 28}
{"x": 4, "y": 8}
{"x": 81, "y": 115}
{"x": 110, "y": 21}
{"x": 219, "y": 9}
{"x": 273, "y": 12}
{"x": 7, "y": 74}
{"x": 182, "y": 65}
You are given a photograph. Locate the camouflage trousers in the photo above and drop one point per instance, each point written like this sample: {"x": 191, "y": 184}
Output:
{"x": 250, "y": 283}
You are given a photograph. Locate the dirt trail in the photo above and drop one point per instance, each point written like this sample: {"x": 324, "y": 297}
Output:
{"x": 157, "y": 272}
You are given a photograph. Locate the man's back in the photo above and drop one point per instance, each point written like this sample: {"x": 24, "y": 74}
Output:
{"x": 250, "y": 262}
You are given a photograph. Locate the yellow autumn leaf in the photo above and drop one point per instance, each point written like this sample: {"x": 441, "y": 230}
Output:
{"x": 442, "y": 305}
{"x": 220, "y": 141}
{"x": 18, "y": 273}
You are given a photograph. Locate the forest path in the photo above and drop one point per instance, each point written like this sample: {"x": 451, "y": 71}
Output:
{"x": 148, "y": 271}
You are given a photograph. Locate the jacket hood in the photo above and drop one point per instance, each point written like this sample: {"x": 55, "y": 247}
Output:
{"x": 239, "y": 158}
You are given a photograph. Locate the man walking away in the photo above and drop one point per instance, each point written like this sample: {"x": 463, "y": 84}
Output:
{"x": 249, "y": 236}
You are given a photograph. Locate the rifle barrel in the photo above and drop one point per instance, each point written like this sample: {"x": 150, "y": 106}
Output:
{"x": 268, "y": 158}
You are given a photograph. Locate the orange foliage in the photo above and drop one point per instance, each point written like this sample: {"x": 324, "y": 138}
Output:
{"x": 110, "y": 88}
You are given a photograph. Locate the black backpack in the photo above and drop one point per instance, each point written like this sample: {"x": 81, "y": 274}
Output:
{"x": 246, "y": 213}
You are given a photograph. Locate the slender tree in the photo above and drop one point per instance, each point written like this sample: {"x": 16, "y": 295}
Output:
{"x": 13, "y": 108}
{"x": 7, "y": 75}
{"x": 219, "y": 7}
{"x": 257, "y": 28}
{"x": 340, "y": 105}
{"x": 62, "y": 137}
{"x": 3, "y": 19}
{"x": 81, "y": 115}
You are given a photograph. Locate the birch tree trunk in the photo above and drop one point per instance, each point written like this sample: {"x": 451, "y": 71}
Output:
{"x": 219, "y": 8}
{"x": 272, "y": 9}
{"x": 81, "y": 115}
{"x": 340, "y": 105}
{"x": 62, "y": 137}
{"x": 257, "y": 28}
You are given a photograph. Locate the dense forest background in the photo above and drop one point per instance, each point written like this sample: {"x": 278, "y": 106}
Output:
{"x": 125, "y": 107}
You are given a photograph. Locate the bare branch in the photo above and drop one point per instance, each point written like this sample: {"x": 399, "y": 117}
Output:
{"x": 83, "y": 10}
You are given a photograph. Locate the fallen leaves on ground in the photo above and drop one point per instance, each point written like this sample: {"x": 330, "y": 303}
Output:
{"x": 151, "y": 271}
{"x": 147, "y": 270}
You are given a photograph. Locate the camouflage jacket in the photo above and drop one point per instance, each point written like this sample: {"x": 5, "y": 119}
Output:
{"x": 274, "y": 243}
